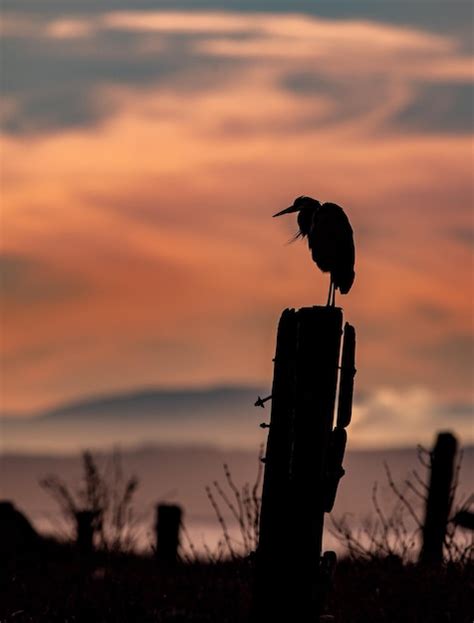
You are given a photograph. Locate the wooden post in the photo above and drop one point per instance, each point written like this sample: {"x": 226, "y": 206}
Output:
{"x": 438, "y": 503}
{"x": 168, "y": 526}
{"x": 346, "y": 384}
{"x": 85, "y": 530}
{"x": 272, "y": 552}
{"x": 337, "y": 445}
{"x": 288, "y": 583}
{"x": 317, "y": 359}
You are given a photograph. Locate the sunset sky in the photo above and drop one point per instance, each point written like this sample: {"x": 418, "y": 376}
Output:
{"x": 145, "y": 146}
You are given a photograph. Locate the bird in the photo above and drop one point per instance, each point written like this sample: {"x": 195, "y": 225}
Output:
{"x": 330, "y": 240}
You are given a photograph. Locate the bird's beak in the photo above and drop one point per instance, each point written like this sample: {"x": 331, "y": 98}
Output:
{"x": 287, "y": 211}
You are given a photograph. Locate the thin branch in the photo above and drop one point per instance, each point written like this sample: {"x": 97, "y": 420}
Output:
{"x": 401, "y": 497}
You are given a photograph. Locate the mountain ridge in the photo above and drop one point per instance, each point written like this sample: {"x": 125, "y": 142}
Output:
{"x": 141, "y": 397}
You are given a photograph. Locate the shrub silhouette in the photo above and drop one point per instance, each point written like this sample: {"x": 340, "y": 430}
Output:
{"x": 106, "y": 494}
{"x": 397, "y": 534}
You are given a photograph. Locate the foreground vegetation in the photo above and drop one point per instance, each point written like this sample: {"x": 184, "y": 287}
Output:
{"x": 53, "y": 584}
{"x": 379, "y": 582}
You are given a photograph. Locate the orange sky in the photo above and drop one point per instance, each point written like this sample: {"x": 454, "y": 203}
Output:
{"x": 139, "y": 249}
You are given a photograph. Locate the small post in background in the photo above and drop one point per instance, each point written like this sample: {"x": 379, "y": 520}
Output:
{"x": 439, "y": 500}
{"x": 85, "y": 530}
{"x": 168, "y": 527}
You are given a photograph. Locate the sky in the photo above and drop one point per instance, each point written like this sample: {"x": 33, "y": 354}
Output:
{"x": 145, "y": 147}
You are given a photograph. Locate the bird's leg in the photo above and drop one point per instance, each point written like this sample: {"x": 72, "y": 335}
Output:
{"x": 329, "y": 293}
{"x": 333, "y": 302}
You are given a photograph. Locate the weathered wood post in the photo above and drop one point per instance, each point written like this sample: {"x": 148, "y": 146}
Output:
{"x": 273, "y": 548}
{"x": 303, "y": 464}
{"x": 168, "y": 526}
{"x": 85, "y": 530}
{"x": 318, "y": 346}
{"x": 438, "y": 503}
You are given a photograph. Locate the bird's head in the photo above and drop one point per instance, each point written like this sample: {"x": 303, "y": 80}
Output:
{"x": 306, "y": 207}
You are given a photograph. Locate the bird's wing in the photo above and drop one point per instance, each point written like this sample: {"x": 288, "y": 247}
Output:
{"x": 332, "y": 244}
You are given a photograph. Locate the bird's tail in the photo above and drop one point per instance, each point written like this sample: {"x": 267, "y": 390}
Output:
{"x": 344, "y": 282}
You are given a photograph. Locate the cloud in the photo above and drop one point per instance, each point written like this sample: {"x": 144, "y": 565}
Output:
{"x": 447, "y": 107}
{"x": 59, "y": 77}
{"x": 459, "y": 410}
{"x": 70, "y": 28}
{"x": 389, "y": 417}
{"x": 26, "y": 281}
{"x": 464, "y": 235}
{"x": 58, "y": 80}
{"x": 457, "y": 19}
{"x": 455, "y": 350}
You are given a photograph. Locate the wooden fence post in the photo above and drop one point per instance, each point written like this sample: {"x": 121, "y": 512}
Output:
{"x": 317, "y": 359}
{"x": 85, "y": 530}
{"x": 168, "y": 526}
{"x": 438, "y": 503}
{"x": 303, "y": 464}
{"x": 272, "y": 552}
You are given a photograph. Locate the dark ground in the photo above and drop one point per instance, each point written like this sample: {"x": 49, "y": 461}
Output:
{"x": 54, "y": 585}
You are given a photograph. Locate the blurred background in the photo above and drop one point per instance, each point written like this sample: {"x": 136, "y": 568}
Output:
{"x": 144, "y": 150}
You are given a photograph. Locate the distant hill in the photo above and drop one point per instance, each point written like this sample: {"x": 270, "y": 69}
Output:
{"x": 218, "y": 415}
{"x": 149, "y": 402}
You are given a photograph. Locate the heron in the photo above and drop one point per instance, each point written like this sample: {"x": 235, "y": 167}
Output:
{"x": 330, "y": 240}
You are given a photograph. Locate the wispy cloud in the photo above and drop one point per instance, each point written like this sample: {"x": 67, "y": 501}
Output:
{"x": 56, "y": 75}
{"x": 392, "y": 417}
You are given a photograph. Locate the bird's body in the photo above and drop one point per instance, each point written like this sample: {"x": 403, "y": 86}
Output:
{"x": 330, "y": 239}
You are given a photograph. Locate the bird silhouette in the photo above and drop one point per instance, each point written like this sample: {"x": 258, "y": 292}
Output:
{"x": 330, "y": 239}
